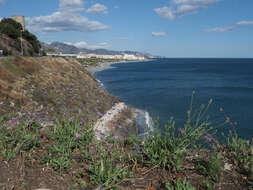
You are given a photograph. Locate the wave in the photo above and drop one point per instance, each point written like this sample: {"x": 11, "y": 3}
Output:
{"x": 100, "y": 84}
{"x": 144, "y": 123}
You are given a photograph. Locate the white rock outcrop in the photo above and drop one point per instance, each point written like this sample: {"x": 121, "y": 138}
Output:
{"x": 101, "y": 127}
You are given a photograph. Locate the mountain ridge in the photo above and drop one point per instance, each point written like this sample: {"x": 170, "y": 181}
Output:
{"x": 71, "y": 49}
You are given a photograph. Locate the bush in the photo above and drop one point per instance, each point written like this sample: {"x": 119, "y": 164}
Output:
{"x": 241, "y": 152}
{"x": 211, "y": 168}
{"x": 31, "y": 38}
{"x": 67, "y": 137}
{"x": 105, "y": 168}
{"x": 179, "y": 185}
{"x": 15, "y": 137}
{"x": 168, "y": 148}
{"x": 10, "y": 30}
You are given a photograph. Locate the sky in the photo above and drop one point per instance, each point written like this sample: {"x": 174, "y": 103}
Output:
{"x": 171, "y": 28}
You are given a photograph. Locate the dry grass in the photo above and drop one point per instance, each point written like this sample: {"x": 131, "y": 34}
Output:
{"x": 49, "y": 87}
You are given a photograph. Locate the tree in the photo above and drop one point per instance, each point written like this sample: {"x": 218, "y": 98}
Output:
{"x": 9, "y": 30}
{"x": 32, "y": 39}
{"x": 12, "y": 22}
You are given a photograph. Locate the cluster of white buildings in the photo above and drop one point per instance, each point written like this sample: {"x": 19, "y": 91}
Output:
{"x": 91, "y": 55}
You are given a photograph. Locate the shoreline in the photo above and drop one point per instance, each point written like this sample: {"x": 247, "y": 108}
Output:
{"x": 121, "y": 120}
{"x": 101, "y": 67}
{"x": 108, "y": 65}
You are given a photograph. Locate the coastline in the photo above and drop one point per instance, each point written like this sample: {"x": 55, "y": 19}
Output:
{"x": 108, "y": 65}
{"x": 100, "y": 67}
{"x": 121, "y": 120}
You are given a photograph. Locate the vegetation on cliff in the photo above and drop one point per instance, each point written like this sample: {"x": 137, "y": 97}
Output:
{"x": 11, "y": 35}
{"x": 48, "y": 107}
{"x": 67, "y": 156}
{"x": 49, "y": 87}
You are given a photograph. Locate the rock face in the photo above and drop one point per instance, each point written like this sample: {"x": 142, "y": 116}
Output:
{"x": 118, "y": 121}
{"x": 50, "y": 87}
{"x": 13, "y": 47}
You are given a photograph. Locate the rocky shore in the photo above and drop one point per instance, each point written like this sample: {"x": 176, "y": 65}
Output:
{"x": 121, "y": 120}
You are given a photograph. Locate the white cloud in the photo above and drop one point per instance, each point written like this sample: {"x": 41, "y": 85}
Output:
{"x": 83, "y": 44}
{"x": 97, "y": 9}
{"x": 165, "y": 12}
{"x": 158, "y": 34}
{"x": 71, "y": 5}
{"x": 180, "y": 8}
{"x": 68, "y": 18}
{"x": 231, "y": 27}
{"x": 116, "y": 7}
{"x": 244, "y": 23}
{"x": 1, "y": 1}
{"x": 220, "y": 29}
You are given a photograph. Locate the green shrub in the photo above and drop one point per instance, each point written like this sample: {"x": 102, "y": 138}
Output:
{"x": 105, "y": 169}
{"x": 16, "y": 137}
{"x": 10, "y": 30}
{"x": 12, "y": 22}
{"x": 211, "y": 168}
{"x": 31, "y": 38}
{"x": 208, "y": 185}
{"x": 241, "y": 152}
{"x": 168, "y": 148}
{"x": 66, "y": 137}
{"x": 179, "y": 185}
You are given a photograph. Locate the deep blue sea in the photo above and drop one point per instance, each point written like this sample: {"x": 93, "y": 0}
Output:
{"x": 163, "y": 87}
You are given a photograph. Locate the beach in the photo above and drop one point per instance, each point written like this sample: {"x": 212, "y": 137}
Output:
{"x": 102, "y": 66}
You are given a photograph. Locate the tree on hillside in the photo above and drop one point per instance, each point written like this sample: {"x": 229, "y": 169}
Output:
{"x": 9, "y": 30}
{"x": 12, "y": 22}
{"x": 14, "y": 29}
{"x": 32, "y": 39}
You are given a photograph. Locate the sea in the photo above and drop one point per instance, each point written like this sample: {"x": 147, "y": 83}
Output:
{"x": 162, "y": 89}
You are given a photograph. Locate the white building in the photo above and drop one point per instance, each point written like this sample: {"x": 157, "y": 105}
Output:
{"x": 130, "y": 57}
{"x": 118, "y": 56}
{"x": 61, "y": 55}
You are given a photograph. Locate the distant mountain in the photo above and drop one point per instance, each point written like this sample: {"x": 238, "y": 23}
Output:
{"x": 70, "y": 49}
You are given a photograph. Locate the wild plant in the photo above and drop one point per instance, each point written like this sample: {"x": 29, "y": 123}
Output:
{"x": 17, "y": 136}
{"x": 168, "y": 147}
{"x": 241, "y": 151}
{"x": 105, "y": 168}
{"x": 179, "y": 185}
{"x": 66, "y": 138}
{"x": 208, "y": 185}
{"x": 211, "y": 168}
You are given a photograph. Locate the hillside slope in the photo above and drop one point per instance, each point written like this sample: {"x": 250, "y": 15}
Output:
{"x": 49, "y": 87}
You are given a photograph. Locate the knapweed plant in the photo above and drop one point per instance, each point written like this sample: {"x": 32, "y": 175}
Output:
{"x": 105, "y": 167}
{"x": 66, "y": 139}
{"x": 17, "y": 136}
{"x": 168, "y": 147}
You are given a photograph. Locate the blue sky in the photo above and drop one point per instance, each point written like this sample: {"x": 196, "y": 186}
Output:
{"x": 172, "y": 28}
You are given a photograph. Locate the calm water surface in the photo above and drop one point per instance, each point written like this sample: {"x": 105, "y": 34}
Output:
{"x": 163, "y": 87}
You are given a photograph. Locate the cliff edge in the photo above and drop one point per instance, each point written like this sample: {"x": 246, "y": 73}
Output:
{"x": 50, "y": 87}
